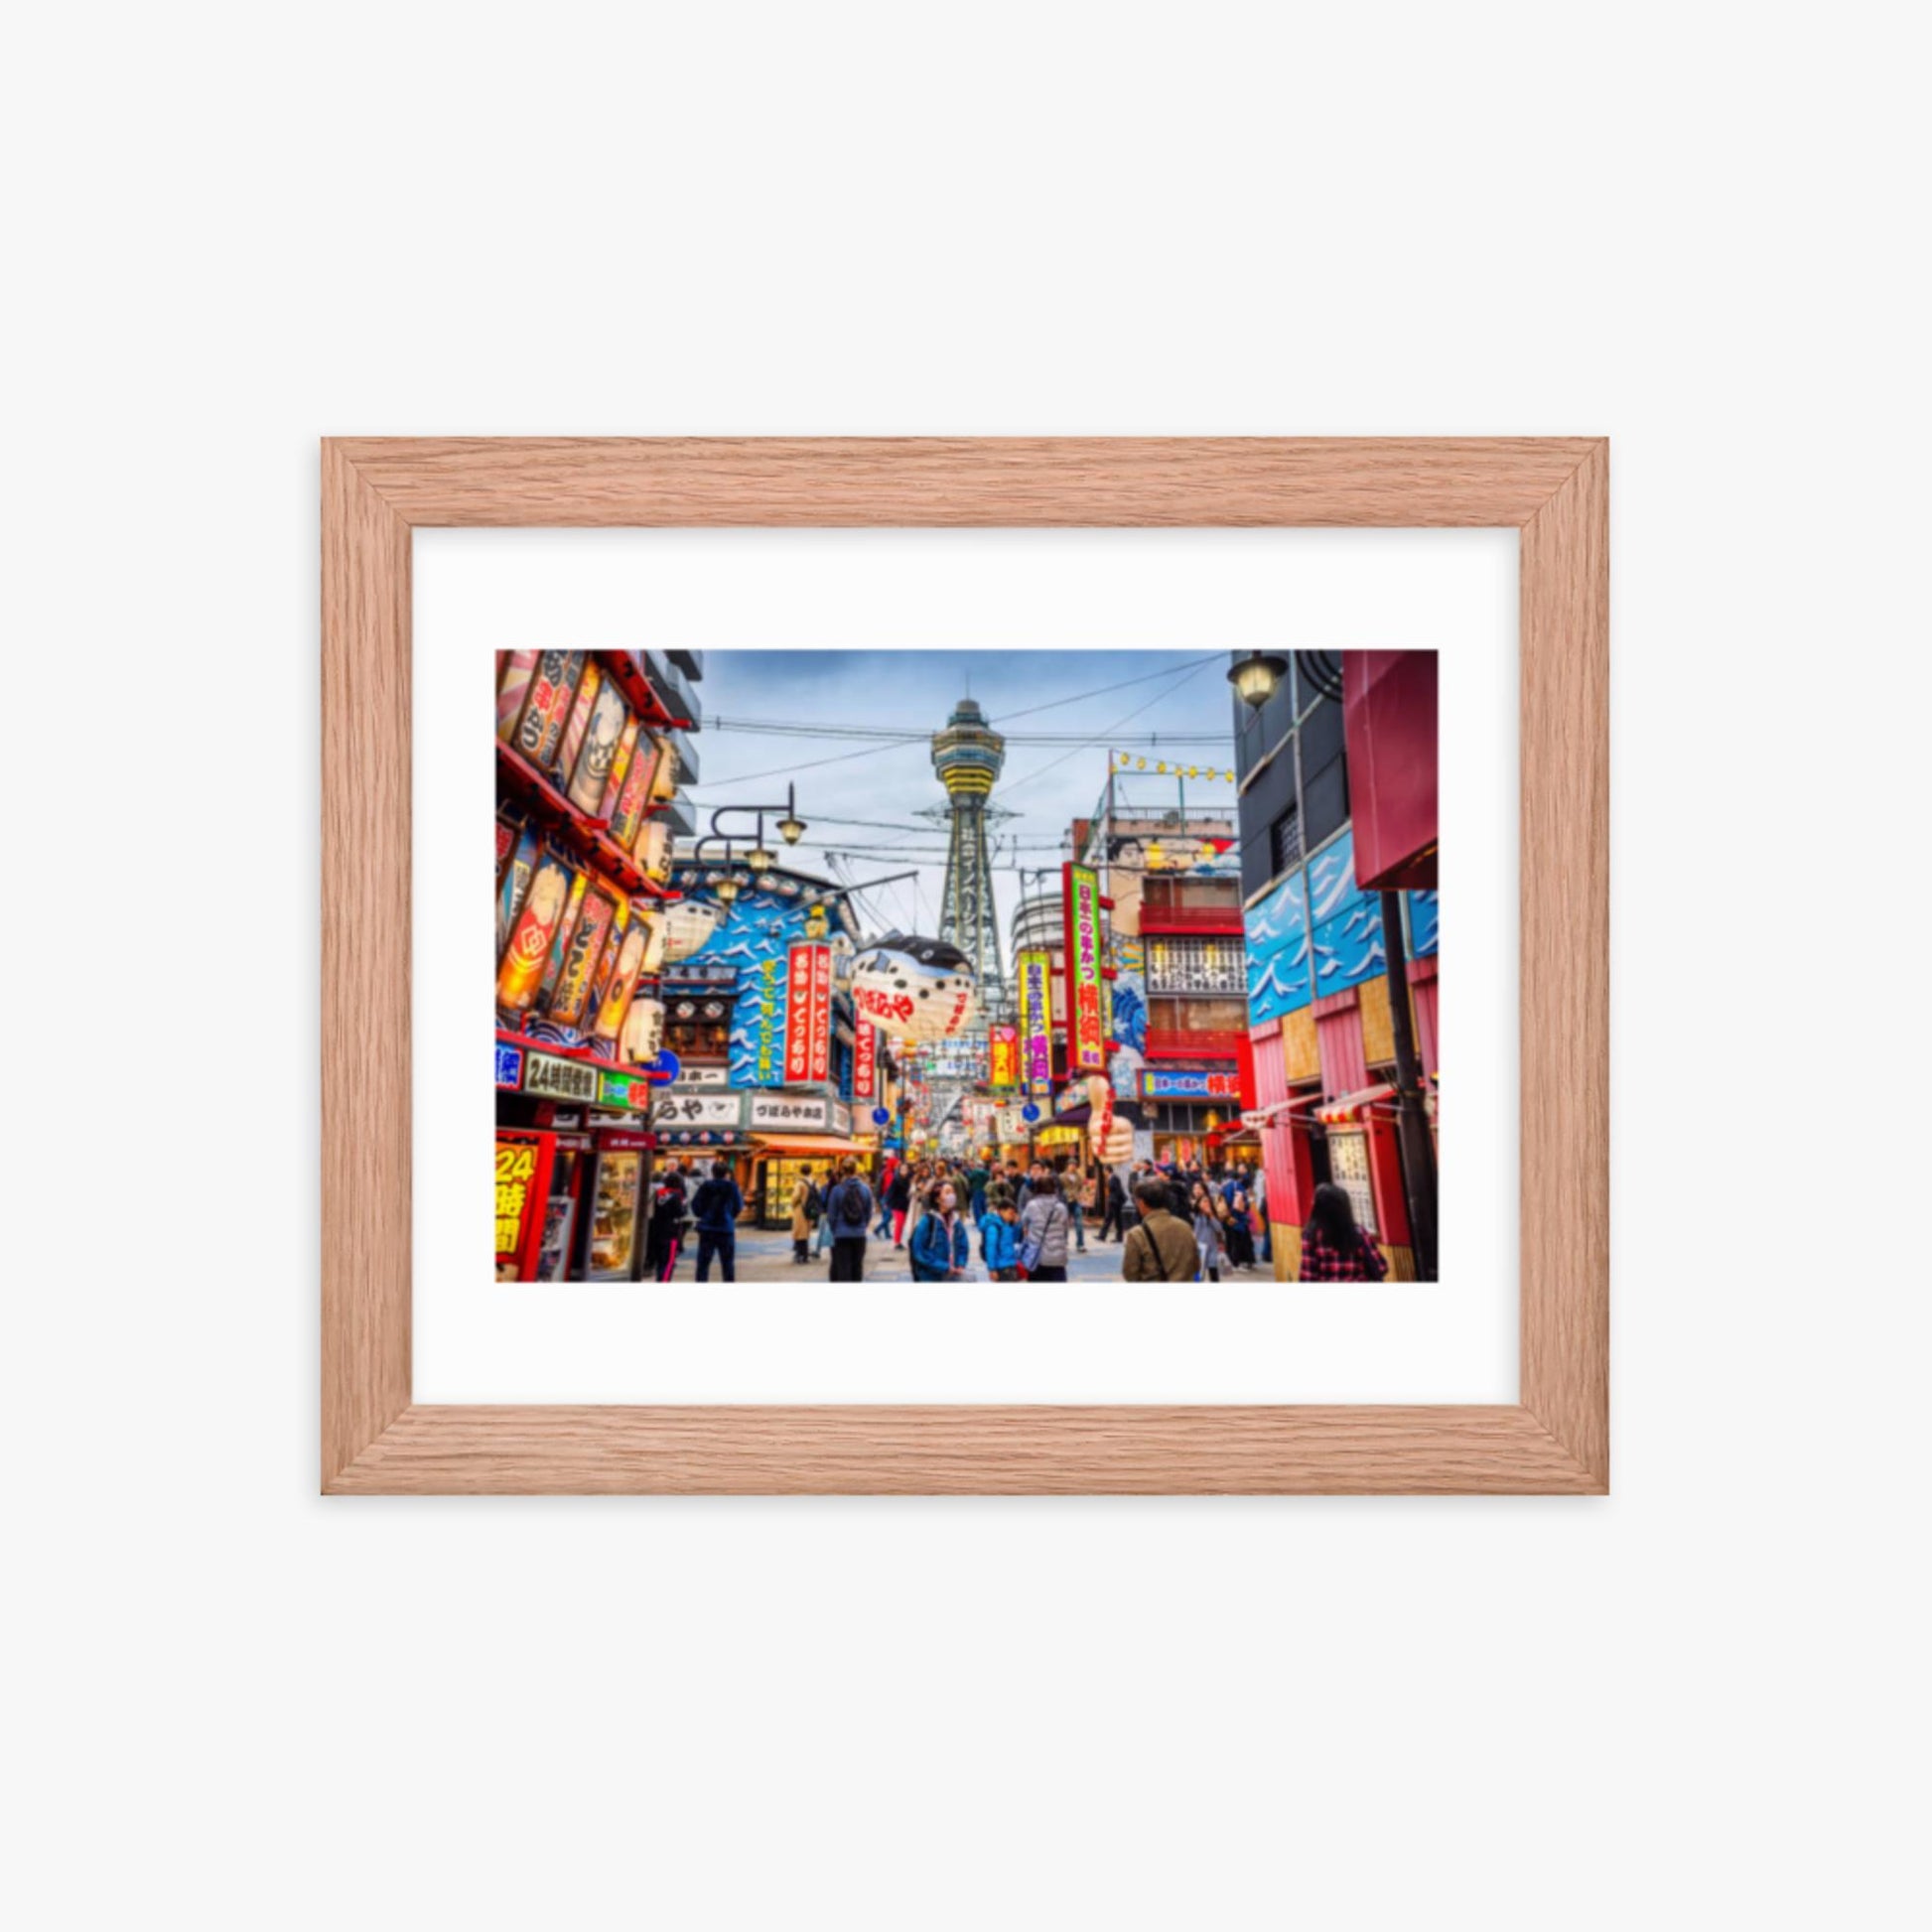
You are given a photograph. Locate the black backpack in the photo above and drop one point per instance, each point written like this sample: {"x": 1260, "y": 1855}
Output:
{"x": 855, "y": 1203}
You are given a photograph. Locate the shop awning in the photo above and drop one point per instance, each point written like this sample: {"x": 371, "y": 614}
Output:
{"x": 808, "y": 1144}
{"x": 1345, "y": 1105}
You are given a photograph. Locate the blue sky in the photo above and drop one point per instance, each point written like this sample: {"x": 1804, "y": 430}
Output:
{"x": 1121, "y": 696}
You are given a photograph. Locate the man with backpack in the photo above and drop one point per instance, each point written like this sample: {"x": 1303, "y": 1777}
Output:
{"x": 717, "y": 1206}
{"x": 848, "y": 1213}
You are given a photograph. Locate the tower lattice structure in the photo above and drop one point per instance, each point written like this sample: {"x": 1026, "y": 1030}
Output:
{"x": 968, "y": 757}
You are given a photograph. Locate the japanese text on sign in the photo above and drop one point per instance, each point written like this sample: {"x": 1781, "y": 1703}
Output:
{"x": 1086, "y": 1033}
{"x": 1035, "y": 1019}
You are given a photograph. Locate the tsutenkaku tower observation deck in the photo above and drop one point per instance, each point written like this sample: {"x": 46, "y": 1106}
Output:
{"x": 968, "y": 756}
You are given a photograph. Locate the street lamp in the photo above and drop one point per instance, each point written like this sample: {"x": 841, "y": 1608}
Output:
{"x": 759, "y": 860}
{"x": 728, "y": 888}
{"x": 792, "y": 828}
{"x": 1255, "y": 676}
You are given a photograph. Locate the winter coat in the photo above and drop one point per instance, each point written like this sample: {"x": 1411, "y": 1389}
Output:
{"x": 899, "y": 1192}
{"x": 998, "y": 1242}
{"x": 801, "y": 1228}
{"x": 717, "y": 1205}
{"x": 1161, "y": 1248}
{"x": 934, "y": 1256}
{"x": 1047, "y": 1216}
{"x": 849, "y": 1209}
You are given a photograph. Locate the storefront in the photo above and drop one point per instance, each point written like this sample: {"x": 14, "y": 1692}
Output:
{"x": 1365, "y": 1160}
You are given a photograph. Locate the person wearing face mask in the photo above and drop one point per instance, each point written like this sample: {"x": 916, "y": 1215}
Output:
{"x": 941, "y": 1250}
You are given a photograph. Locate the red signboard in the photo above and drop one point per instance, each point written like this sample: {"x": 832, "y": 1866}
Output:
{"x": 864, "y": 1060}
{"x": 809, "y": 1013}
{"x": 1389, "y": 719}
{"x": 523, "y": 1187}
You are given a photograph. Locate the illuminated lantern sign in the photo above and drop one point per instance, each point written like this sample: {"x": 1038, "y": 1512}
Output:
{"x": 913, "y": 988}
{"x": 1086, "y": 1028}
{"x": 1004, "y": 1052}
{"x": 808, "y": 1015}
{"x": 1036, "y": 1046}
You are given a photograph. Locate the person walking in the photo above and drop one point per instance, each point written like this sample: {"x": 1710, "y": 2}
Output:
{"x": 1116, "y": 1210}
{"x": 1257, "y": 1190}
{"x": 899, "y": 1192}
{"x": 1044, "y": 1224}
{"x": 1000, "y": 1237}
{"x": 1334, "y": 1247}
{"x": 1158, "y": 1248}
{"x": 1210, "y": 1236}
{"x": 667, "y": 1221}
{"x": 885, "y": 1224}
{"x": 822, "y": 1222}
{"x": 802, "y": 1192}
{"x": 716, "y": 1208}
{"x": 940, "y": 1249}
{"x": 1241, "y": 1237}
{"x": 847, "y": 1214}
{"x": 1077, "y": 1185}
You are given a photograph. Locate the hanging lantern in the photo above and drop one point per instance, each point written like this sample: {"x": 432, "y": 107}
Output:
{"x": 657, "y": 938}
{"x": 643, "y": 1032}
{"x": 728, "y": 889}
{"x": 792, "y": 828}
{"x": 687, "y": 926}
{"x": 914, "y": 988}
{"x": 759, "y": 860}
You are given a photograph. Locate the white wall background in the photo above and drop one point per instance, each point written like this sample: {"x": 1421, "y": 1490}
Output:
{"x": 233, "y": 230}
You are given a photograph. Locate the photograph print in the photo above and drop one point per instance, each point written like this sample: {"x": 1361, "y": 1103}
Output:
{"x": 966, "y": 966}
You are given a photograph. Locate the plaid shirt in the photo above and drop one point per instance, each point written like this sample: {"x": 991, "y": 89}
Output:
{"x": 1321, "y": 1263}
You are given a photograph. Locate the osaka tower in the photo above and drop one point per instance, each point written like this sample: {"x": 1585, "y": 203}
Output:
{"x": 968, "y": 756}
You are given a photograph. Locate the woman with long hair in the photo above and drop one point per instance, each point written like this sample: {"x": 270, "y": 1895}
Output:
{"x": 1334, "y": 1247}
{"x": 1209, "y": 1237}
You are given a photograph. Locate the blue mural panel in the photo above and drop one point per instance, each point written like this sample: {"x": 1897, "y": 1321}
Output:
{"x": 1348, "y": 948}
{"x": 1276, "y": 932}
{"x": 756, "y": 941}
{"x": 1425, "y": 923}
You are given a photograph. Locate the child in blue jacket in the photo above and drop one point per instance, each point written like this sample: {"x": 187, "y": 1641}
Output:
{"x": 1000, "y": 1239}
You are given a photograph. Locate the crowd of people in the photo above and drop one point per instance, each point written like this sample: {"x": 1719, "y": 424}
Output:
{"x": 954, "y": 1218}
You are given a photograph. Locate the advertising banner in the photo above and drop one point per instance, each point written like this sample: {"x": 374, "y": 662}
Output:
{"x": 1188, "y": 1083}
{"x": 809, "y": 1013}
{"x": 1035, "y": 1018}
{"x": 1086, "y": 1031}
{"x": 1003, "y": 1051}
{"x": 522, "y": 1183}
{"x": 865, "y": 1062}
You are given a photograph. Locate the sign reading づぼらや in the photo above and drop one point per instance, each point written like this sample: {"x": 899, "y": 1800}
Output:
{"x": 784, "y": 1112}
{"x": 1086, "y": 1028}
{"x": 696, "y": 1110}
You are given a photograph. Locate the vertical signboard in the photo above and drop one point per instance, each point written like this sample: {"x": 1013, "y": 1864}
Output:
{"x": 1003, "y": 1044}
{"x": 522, "y": 1186}
{"x": 1035, "y": 1019}
{"x": 1086, "y": 1031}
{"x": 809, "y": 1013}
{"x": 864, "y": 1060}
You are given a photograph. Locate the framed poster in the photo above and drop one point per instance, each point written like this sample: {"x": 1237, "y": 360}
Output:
{"x": 378, "y": 1437}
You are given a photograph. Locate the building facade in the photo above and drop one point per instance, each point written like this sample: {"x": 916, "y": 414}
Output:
{"x": 1343, "y": 751}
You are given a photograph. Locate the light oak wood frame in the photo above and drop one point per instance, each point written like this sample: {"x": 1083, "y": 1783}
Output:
{"x": 377, "y": 1440}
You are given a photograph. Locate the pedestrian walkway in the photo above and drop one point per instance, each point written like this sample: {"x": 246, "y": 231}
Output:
{"x": 767, "y": 1257}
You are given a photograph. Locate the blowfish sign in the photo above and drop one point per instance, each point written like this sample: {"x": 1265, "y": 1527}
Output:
{"x": 1086, "y": 1031}
{"x": 1035, "y": 1055}
{"x": 809, "y": 1013}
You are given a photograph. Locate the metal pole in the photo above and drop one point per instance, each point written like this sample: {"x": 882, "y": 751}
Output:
{"x": 1411, "y": 1121}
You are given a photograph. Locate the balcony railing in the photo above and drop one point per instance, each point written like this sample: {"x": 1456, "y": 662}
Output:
{"x": 1181, "y": 1043}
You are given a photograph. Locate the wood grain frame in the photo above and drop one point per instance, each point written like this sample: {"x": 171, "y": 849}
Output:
{"x": 1552, "y": 491}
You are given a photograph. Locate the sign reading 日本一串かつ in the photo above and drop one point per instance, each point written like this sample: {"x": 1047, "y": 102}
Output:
{"x": 1086, "y": 1031}
{"x": 1188, "y": 1083}
{"x": 1035, "y": 1017}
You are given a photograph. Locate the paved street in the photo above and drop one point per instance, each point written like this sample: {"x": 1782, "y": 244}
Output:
{"x": 767, "y": 1257}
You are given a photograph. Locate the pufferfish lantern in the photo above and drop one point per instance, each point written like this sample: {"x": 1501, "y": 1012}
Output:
{"x": 914, "y": 989}
{"x": 688, "y": 923}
